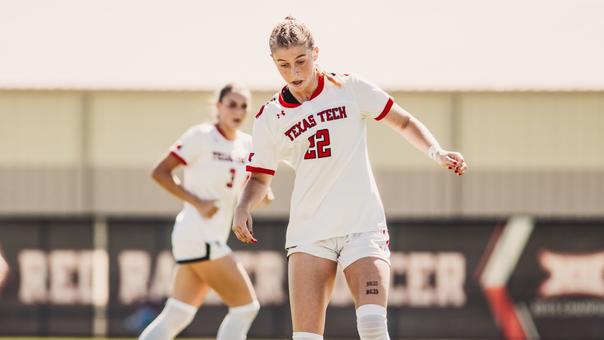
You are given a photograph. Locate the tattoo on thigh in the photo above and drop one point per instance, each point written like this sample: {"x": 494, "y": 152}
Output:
{"x": 372, "y": 291}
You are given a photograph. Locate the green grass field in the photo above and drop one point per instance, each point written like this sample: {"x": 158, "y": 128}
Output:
{"x": 80, "y": 338}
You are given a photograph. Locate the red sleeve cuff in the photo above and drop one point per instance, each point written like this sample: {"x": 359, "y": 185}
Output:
{"x": 177, "y": 156}
{"x": 386, "y": 109}
{"x": 260, "y": 170}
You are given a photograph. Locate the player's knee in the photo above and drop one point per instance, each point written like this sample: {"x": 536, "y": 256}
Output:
{"x": 238, "y": 321}
{"x": 248, "y": 311}
{"x": 372, "y": 322}
{"x": 306, "y": 336}
{"x": 175, "y": 316}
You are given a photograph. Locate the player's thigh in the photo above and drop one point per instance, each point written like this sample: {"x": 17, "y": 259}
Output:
{"x": 368, "y": 280}
{"x": 228, "y": 278}
{"x": 187, "y": 286}
{"x": 311, "y": 281}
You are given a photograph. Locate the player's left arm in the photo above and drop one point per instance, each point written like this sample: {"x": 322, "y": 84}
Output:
{"x": 416, "y": 133}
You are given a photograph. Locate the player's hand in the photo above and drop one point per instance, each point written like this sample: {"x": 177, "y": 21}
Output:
{"x": 453, "y": 161}
{"x": 206, "y": 208}
{"x": 243, "y": 226}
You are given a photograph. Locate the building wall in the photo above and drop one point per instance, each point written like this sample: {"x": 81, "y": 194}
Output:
{"x": 65, "y": 152}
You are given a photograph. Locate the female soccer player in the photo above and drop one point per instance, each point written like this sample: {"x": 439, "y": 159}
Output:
{"x": 214, "y": 157}
{"x": 317, "y": 124}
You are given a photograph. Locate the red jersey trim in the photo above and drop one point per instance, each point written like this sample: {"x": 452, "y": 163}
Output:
{"x": 260, "y": 170}
{"x": 260, "y": 111}
{"x": 317, "y": 92}
{"x": 177, "y": 156}
{"x": 284, "y": 103}
{"x": 319, "y": 88}
{"x": 386, "y": 109}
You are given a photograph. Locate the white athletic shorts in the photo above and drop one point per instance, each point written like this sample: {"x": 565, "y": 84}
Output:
{"x": 187, "y": 251}
{"x": 345, "y": 250}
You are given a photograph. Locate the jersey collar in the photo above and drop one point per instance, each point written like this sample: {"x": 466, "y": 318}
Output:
{"x": 222, "y": 133}
{"x": 318, "y": 90}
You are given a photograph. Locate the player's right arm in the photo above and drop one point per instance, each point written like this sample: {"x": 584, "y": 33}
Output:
{"x": 263, "y": 162}
{"x": 186, "y": 150}
{"x": 164, "y": 176}
{"x": 253, "y": 194}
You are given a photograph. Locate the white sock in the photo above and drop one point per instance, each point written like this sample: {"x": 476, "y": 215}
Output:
{"x": 371, "y": 322}
{"x": 306, "y": 336}
{"x": 236, "y": 324}
{"x": 175, "y": 316}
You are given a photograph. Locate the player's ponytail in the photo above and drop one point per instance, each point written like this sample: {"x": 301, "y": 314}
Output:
{"x": 333, "y": 78}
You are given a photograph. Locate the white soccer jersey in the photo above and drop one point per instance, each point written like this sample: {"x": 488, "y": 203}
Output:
{"x": 325, "y": 140}
{"x": 214, "y": 170}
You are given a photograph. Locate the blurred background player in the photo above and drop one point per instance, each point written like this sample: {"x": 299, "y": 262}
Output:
{"x": 317, "y": 123}
{"x": 214, "y": 158}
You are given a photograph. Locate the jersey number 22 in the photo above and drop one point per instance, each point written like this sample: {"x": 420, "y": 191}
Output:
{"x": 318, "y": 147}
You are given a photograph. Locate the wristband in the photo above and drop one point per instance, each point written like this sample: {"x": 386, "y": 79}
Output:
{"x": 434, "y": 150}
